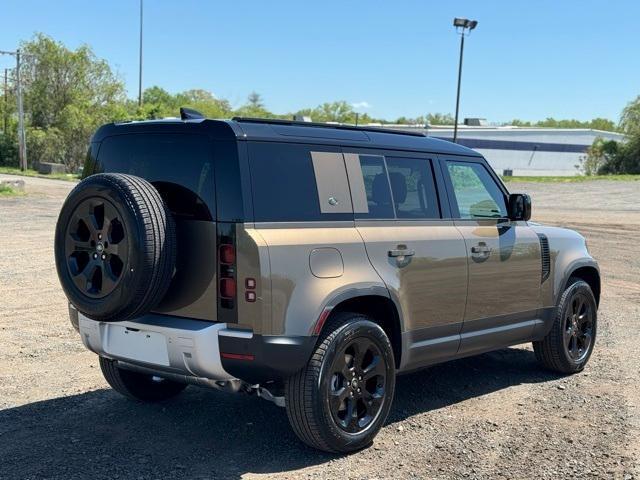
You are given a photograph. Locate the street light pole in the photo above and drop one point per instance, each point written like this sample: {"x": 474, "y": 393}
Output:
{"x": 140, "y": 66}
{"x": 464, "y": 27}
{"x": 455, "y": 123}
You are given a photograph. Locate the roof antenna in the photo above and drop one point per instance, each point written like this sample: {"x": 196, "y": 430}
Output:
{"x": 190, "y": 114}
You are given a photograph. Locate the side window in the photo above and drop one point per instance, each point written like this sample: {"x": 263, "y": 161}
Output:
{"x": 284, "y": 186}
{"x": 376, "y": 186}
{"x": 476, "y": 192}
{"x": 413, "y": 187}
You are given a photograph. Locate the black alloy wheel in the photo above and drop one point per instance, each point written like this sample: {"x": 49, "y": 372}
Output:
{"x": 115, "y": 247}
{"x": 96, "y": 247}
{"x": 568, "y": 345}
{"x": 578, "y": 327}
{"x": 357, "y": 385}
{"x": 342, "y": 398}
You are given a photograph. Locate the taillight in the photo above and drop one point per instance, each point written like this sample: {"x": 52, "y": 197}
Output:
{"x": 228, "y": 288}
{"x": 227, "y": 254}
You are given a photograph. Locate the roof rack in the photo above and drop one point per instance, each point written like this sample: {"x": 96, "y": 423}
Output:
{"x": 277, "y": 121}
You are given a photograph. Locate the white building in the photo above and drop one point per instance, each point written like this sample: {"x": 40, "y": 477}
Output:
{"x": 527, "y": 151}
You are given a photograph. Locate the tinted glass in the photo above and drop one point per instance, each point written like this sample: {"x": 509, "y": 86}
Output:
{"x": 376, "y": 185}
{"x": 476, "y": 192}
{"x": 284, "y": 185}
{"x": 180, "y": 159}
{"x": 413, "y": 187}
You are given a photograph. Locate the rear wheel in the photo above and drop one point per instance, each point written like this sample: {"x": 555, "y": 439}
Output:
{"x": 341, "y": 399}
{"x": 139, "y": 386}
{"x": 568, "y": 345}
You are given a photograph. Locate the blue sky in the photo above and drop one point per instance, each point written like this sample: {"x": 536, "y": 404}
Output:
{"x": 527, "y": 60}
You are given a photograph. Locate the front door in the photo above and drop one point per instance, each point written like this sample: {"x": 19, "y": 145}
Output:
{"x": 420, "y": 257}
{"x": 503, "y": 259}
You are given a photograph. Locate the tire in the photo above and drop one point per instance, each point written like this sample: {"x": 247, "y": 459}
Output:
{"x": 115, "y": 247}
{"x": 139, "y": 386}
{"x": 326, "y": 425}
{"x": 564, "y": 349}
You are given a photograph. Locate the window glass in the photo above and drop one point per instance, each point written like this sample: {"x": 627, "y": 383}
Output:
{"x": 376, "y": 185}
{"x": 284, "y": 185}
{"x": 414, "y": 191}
{"x": 476, "y": 192}
{"x": 181, "y": 159}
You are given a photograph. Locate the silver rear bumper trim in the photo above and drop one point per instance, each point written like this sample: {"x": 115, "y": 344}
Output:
{"x": 164, "y": 344}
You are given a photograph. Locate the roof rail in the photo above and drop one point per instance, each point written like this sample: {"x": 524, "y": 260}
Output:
{"x": 277, "y": 121}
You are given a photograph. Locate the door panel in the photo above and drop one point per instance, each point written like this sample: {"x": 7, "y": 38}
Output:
{"x": 504, "y": 269}
{"x": 421, "y": 259}
{"x": 430, "y": 285}
{"x": 504, "y": 258}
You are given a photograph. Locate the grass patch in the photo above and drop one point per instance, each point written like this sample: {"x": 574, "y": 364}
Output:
{"x": 72, "y": 177}
{"x": 8, "y": 191}
{"x": 574, "y": 179}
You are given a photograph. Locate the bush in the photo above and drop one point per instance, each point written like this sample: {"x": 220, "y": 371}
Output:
{"x": 9, "y": 151}
{"x": 45, "y": 146}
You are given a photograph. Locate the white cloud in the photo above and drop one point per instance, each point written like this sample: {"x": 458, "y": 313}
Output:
{"x": 362, "y": 104}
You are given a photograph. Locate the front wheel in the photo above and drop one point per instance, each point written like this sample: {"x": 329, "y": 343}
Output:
{"x": 568, "y": 345}
{"x": 341, "y": 399}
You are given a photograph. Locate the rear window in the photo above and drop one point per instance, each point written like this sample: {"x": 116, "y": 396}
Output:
{"x": 165, "y": 159}
{"x": 284, "y": 184}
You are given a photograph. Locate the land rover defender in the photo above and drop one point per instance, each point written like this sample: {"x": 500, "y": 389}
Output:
{"x": 309, "y": 264}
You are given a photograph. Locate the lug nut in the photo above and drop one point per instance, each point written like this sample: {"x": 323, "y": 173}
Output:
{"x": 360, "y": 378}
{"x": 104, "y": 257}
{"x": 95, "y": 255}
{"x": 99, "y": 236}
{"x": 359, "y": 390}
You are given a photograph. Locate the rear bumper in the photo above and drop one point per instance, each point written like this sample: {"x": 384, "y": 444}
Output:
{"x": 162, "y": 343}
{"x": 194, "y": 348}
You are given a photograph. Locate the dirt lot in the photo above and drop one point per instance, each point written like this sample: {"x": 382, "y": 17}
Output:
{"x": 494, "y": 416}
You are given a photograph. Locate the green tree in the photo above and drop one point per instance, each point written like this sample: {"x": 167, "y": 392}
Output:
{"x": 630, "y": 118}
{"x": 440, "y": 119}
{"x": 71, "y": 91}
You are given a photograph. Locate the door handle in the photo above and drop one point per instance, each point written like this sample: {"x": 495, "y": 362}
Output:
{"x": 481, "y": 249}
{"x": 401, "y": 252}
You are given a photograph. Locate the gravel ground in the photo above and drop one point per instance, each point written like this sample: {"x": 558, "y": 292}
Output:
{"x": 494, "y": 416}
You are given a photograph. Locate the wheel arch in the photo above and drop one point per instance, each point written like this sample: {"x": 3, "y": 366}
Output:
{"x": 379, "y": 307}
{"x": 589, "y": 274}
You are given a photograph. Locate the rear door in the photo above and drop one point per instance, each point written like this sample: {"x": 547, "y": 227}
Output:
{"x": 420, "y": 255}
{"x": 503, "y": 258}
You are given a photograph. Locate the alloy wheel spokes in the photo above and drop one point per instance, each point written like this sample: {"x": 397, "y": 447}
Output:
{"x": 356, "y": 389}
{"x": 96, "y": 247}
{"x": 578, "y": 328}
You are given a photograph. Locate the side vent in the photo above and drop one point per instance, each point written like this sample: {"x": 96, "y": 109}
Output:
{"x": 546, "y": 258}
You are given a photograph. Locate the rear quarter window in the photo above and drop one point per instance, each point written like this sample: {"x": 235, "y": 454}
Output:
{"x": 284, "y": 184}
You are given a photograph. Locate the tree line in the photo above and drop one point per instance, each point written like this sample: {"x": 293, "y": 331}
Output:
{"x": 69, "y": 93}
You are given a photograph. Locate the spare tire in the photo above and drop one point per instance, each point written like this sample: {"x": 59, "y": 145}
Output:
{"x": 115, "y": 247}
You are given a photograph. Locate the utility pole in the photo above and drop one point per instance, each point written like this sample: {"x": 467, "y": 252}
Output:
{"x": 22, "y": 144}
{"x": 140, "y": 67}
{"x": 6, "y": 101}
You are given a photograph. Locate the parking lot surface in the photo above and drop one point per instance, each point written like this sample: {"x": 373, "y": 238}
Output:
{"x": 498, "y": 415}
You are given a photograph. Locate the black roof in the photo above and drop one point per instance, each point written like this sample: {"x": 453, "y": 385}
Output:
{"x": 292, "y": 131}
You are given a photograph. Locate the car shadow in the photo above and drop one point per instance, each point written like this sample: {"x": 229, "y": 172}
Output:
{"x": 204, "y": 433}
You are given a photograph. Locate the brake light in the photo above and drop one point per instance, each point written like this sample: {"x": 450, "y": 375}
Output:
{"x": 228, "y": 287}
{"x": 227, "y": 254}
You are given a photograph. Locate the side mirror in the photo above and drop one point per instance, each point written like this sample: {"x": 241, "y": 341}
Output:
{"x": 519, "y": 206}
